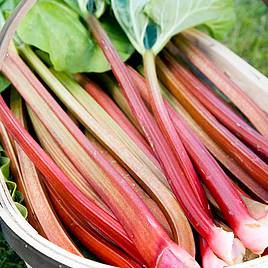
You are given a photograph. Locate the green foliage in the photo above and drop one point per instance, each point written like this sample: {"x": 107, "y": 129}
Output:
{"x": 57, "y": 29}
{"x": 4, "y": 83}
{"x": 249, "y": 37}
{"x": 152, "y": 23}
{"x": 9, "y": 259}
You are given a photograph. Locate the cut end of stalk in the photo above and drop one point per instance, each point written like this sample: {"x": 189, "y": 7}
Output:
{"x": 209, "y": 260}
{"x": 226, "y": 247}
{"x": 257, "y": 210}
{"x": 175, "y": 257}
{"x": 253, "y": 235}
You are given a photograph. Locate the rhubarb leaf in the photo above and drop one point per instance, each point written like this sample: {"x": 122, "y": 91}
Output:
{"x": 83, "y": 6}
{"x": 55, "y": 28}
{"x": 149, "y": 24}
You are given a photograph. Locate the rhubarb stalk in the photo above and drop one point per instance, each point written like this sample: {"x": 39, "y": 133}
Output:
{"x": 246, "y": 105}
{"x": 93, "y": 241}
{"x": 189, "y": 193}
{"x": 257, "y": 168}
{"x": 134, "y": 163}
{"x": 56, "y": 179}
{"x": 116, "y": 193}
{"x": 218, "y": 107}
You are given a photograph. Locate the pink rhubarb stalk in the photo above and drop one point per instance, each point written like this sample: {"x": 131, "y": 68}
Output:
{"x": 249, "y": 230}
{"x": 112, "y": 109}
{"x": 147, "y": 235}
{"x": 56, "y": 179}
{"x": 255, "y": 166}
{"x": 246, "y": 105}
{"x": 91, "y": 115}
{"x": 209, "y": 259}
{"x": 223, "y": 112}
{"x": 188, "y": 192}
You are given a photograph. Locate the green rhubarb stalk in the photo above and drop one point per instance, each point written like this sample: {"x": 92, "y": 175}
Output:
{"x": 147, "y": 200}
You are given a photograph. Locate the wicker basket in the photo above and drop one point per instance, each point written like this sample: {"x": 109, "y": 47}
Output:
{"x": 39, "y": 252}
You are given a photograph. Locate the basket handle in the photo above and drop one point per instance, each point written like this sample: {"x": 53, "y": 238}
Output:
{"x": 10, "y": 27}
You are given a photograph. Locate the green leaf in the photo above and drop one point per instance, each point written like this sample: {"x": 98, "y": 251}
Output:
{"x": 7, "y": 7}
{"x": 174, "y": 16}
{"x": 4, "y": 83}
{"x": 22, "y": 209}
{"x": 149, "y": 24}
{"x": 220, "y": 27}
{"x": 129, "y": 14}
{"x": 55, "y": 28}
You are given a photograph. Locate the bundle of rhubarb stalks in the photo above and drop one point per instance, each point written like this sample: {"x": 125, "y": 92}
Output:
{"x": 158, "y": 161}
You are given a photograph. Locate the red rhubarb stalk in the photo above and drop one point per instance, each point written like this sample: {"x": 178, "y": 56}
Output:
{"x": 112, "y": 109}
{"x": 93, "y": 241}
{"x": 246, "y": 105}
{"x": 248, "y": 229}
{"x": 224, "y": 158}
{"x": 41, "y": 213}
{"x": 185, "y": 185}
{"x": 147, "y": 235}
{"x": 257, "y": 168}
{"x": 209, "y": 259}
{"x": 50, "y": 145}
{"x": 87, "y": 110}
{"x": 56, "y": 179}
{"x": 227, "y": 196}
{"x": 223, "y": 112}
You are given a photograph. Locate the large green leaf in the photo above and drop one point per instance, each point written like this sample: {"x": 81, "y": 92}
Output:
{"x": 55, "y": 28}
{"x": 151, "y": 23}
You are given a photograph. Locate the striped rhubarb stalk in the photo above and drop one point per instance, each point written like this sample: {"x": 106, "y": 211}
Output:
{"x": 149, "y": 238}
{"x": 179, "y": 173}
{"x": 247, "y": 228}
{"x": 254, "y": 166}
{"x": 223, "y": 112}
{"x": 88, "y": 111}
{"x": 246, "y": 105}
